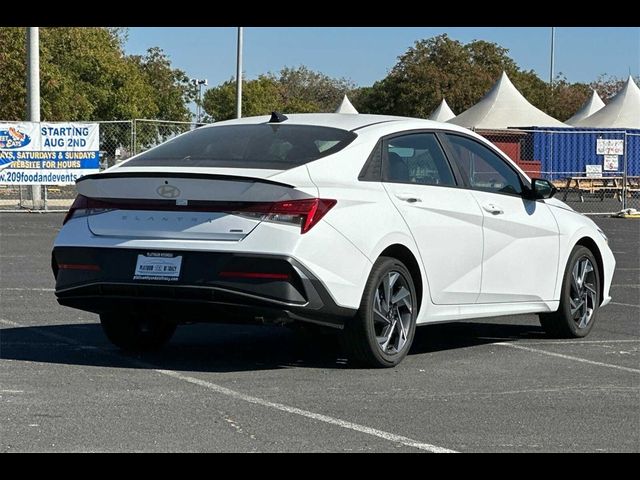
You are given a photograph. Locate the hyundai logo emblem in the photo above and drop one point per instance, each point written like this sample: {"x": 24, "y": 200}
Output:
{"x": 168, "y": 191}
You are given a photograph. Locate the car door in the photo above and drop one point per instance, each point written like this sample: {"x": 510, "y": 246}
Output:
{"x": 444, "y": 219}
{"x": 521, "y": 236}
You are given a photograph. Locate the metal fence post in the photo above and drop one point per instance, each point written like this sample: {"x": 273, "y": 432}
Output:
{"x": 132, "y": 140}
{"x": 133, "y": 136}
{"x": 624, "y": 173}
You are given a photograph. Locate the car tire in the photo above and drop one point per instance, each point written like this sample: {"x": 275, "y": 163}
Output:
{"x": 381, "y": 333}
{"x": 134, "y": 333}
{"x": 579, "y": 300}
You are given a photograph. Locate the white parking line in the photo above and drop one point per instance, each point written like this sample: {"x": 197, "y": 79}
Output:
{"x": 399, "y": 439}
{"x": 35, "y": 289}
{"x": 579, "y": 342}
{"x": 569, "y": 357}
{"x": 10, "y": 323}
{"x": 625, "y": 304}
{"x": 305, "y": 413}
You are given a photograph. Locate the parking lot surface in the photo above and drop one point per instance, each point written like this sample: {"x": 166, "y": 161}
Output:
{"x": 491, "y": 385}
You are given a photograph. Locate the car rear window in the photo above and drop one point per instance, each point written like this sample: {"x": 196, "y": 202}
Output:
{"x": 270, "y": 146}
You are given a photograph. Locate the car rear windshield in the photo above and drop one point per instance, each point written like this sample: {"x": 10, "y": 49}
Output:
{"x": 270, "y": 146}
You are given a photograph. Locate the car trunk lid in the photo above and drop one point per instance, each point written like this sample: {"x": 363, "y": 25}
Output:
{"x": 183, "y": 205}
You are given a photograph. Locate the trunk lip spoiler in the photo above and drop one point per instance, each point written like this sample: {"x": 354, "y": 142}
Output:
{"x": 210, "y": 176}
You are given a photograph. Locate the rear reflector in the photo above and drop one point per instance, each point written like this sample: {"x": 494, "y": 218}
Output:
{"x": 79, "y": 266}
{"x": 260, "y": 275}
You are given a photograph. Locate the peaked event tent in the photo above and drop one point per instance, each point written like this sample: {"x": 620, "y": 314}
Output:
{"x": 591, "y": 106}
{"x": 503, "y": 107}
{"x": 622, "y": 111}
{"x": 346, "y": 106}
{"x": 442, "y": 113}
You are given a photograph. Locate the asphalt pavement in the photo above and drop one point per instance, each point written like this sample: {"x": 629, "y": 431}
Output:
{"x": 491, "y": 385}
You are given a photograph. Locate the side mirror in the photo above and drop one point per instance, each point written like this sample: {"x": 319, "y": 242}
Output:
{"x": 541, "y": 188}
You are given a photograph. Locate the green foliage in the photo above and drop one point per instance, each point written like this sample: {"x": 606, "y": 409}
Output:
{"x": 85, "y": 75}
{"x": 566, "y": 98}
{"x": 462, "y": 73}
{"x": 294, "y": 90}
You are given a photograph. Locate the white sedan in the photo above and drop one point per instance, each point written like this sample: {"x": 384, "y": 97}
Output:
{"x": 365, "y": 223}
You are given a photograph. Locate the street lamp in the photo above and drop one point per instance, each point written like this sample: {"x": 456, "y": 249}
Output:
{"x": 199, "y": 83}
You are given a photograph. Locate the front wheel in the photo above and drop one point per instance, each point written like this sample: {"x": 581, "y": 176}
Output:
{"x": 580, "y": 297}
{"x": 382, "y": 331}
{"x": 135, "y": 333}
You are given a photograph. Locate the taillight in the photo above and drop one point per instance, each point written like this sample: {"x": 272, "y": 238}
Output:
{"x": 85, "y": 206}
{"x": 305, "y": 213}
{"x": 79, "y": 207}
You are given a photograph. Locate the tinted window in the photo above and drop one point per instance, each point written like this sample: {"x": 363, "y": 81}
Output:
{"x": 484, "y": 168}
{"x": 417, "y": 158}
{"x": 269, "y": 146}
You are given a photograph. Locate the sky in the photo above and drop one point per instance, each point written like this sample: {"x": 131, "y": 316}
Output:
{"x": 366, "y": 54}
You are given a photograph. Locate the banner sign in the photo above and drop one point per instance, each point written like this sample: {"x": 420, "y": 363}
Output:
{"x": 48, "y": 153}
{"x": 611, "y": 162}
{"x": 593, "y": 170}
{"x": 609, "y": 147}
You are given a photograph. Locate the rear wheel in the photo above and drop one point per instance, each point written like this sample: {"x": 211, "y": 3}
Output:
{"x": 381, "y": 333}
{"x": 135, "y": 333}
{"x": 580, "y": 297}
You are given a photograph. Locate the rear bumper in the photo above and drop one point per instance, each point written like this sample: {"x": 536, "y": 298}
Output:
{"x": 102, "y": 280}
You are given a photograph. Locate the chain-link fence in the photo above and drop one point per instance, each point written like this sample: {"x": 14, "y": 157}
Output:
{"x": 119, "y": 140}
{"x": 595, "y": 171}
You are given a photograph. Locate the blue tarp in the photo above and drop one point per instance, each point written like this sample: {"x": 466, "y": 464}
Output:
{"x": 565, "y": 152}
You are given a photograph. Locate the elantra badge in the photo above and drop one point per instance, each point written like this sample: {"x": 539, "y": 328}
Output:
{"x": 168, "y": 191}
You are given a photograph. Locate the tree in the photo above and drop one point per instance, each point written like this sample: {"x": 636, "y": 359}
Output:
{"x": 259, "y": 96}
{"x": 85, "y": 75}
{"x": 442, "y": 67}
{"x": 13, "y": 91}
{"x": 294, "y": 90}
{"x": 172, "y": 89}
{"x": 566, "y": 98}
{"x": 607, "y": 86}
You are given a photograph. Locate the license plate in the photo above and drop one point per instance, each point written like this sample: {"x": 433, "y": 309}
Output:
{"x": 160, "y": 266}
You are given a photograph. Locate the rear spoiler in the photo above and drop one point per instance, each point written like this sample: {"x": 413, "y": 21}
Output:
{"x": 208, "y": 176}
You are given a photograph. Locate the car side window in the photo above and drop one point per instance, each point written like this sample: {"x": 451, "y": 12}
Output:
{"x": 417, "y": 158}
{"x": 484, "y": 168}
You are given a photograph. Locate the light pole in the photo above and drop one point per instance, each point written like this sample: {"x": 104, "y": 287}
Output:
{"x": 239, "y": 75}
{"x": 33, "y": 92}
{"x": 553, "y": 38}
{"x": 199, "y": 83}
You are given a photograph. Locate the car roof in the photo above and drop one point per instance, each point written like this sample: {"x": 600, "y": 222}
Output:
{"x": 346, "y": 121}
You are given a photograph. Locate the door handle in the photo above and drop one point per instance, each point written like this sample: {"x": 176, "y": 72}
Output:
{"x": 408, "y": 197}
{"x": 493, "y": 208}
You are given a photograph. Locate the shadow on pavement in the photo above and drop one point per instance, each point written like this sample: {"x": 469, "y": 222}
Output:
{"x": 228, "y": 348}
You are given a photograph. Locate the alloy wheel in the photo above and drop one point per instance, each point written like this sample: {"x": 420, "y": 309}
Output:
{"x": 583, "y": 296}
{"x": 392, "y": 311}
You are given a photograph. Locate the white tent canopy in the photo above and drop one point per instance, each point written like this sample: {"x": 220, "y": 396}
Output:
{"x": 442, "y": 113}
{"x": 503, "y": 107}
{"x": 591, "y": 106}
{"x": 622, "y": 111}
{"x": 346, "y": 107}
